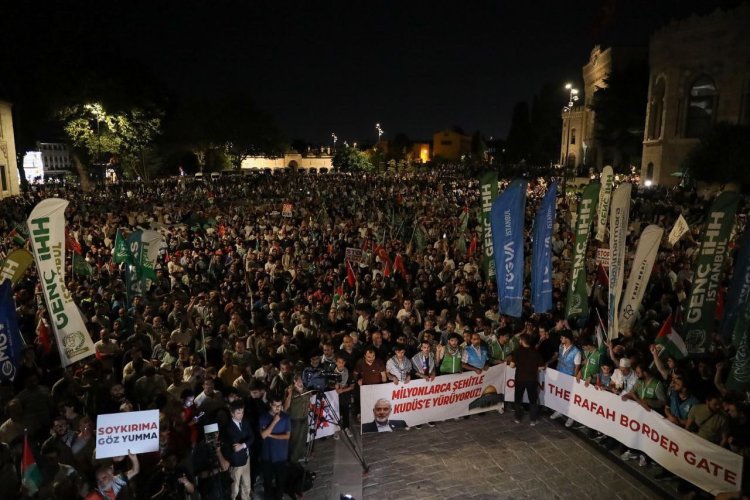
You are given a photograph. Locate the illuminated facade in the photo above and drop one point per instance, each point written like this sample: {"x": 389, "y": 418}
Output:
{"x": 699, "y": 75}
{"x": 9, "y": 182}
{"x": 450, "y": 145}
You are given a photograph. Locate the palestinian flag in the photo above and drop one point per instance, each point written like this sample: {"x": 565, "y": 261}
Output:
{"x": 671, "y": 341}
{"x": 351, "y": 278}
{"x": 42, "y": 336}
{"x": 72, "y": 243}
{"x": 30, "y": 473}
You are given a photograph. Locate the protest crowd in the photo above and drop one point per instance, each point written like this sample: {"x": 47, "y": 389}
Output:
{"x": 254, "y": 283}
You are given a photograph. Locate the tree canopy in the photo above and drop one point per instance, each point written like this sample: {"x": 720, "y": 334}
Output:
{"x": 348, "y": 159}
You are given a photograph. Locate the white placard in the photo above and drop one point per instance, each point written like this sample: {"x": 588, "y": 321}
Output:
{"x": 134, "y": 431}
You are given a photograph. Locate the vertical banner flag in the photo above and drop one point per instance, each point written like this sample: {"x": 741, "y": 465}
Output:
{"x": 15, "y": 265}
{"x": 618, "y": 231}
{"x": 701, "y": 308}
{"x": 605, "y": 197}
{"x": 120, "y": 253}
{"x": 678, "y": 231}
{"x": 739, "y": 374}
{"x": 506, "y": 220}
{"x": 11, "y": 344}
{"x": 47, "y": 227}
{"x": 541, "y": 271}
{"x": 739, "y": 287}
{"x": 640, "y": 272}
{"x": 488, "y": 187}
{"x": 577, "y": 302}
{"x": 150, "y": 245}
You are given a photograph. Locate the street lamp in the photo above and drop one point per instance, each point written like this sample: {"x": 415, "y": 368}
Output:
{"x": 380, "y": 132}
{"x": 572, "y": 98}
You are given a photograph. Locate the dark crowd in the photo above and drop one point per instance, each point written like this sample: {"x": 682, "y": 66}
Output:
{"x": 247, "y": 297}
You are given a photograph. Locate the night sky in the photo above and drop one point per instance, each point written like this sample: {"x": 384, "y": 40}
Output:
{"x": 324, "y": 66}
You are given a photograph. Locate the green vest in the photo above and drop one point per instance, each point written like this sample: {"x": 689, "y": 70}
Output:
{"x": 451, "y": 363}
{"x": 500, "y": 352}
{"x": 648, "y": 390}
{"x": 590, "y": 364}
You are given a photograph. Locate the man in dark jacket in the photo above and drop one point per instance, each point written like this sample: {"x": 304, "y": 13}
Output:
{"x": 527, "y": 361}
{"x": 236, "y": 445}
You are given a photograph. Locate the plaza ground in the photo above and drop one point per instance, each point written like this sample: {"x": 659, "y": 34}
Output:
{"x": 484, "y": 457}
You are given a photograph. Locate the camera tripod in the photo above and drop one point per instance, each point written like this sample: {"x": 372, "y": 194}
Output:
{"x": 322, "y": 411}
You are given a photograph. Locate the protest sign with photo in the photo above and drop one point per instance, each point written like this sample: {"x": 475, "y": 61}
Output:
{"x": 354, "y": 255}
{"x": 134, "y": 431}
{"x": 286, "y": 209}
{"x": 324, "y": 415}
{"x": 420, "y": 401}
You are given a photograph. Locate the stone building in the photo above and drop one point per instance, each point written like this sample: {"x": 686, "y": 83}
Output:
{"x": 9, "y": 182}
{"x": 699, "y": 75}
{"x": 450, "y": 145}
{"x": 578, "y": 139}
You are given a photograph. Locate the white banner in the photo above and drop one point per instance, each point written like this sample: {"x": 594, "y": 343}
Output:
{"x": 618, "y": 231}
{"x": 602, "y": 257}
{"x": 448, "y": 396}
{"x": 640, "y": 272}
{"x": 47, "y": 231}
{"x": 605, "y": 196}
{"x": 325, "y": 415}
{"x": 678, "y": 231}
{"x": 683, "y": 453}
{"x": 151, "y": 242}
{"x": 120, "y": 433}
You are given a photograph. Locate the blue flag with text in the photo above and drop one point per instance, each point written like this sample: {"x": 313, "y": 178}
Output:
{"x": 541, "y": 267}
{"x": 507, "y": 221}
{"x": 11, "y": 345}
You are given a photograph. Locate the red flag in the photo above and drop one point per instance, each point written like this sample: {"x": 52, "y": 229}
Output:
{"x": 42, "y": 336}
{"x": 398, "y": 265}
{"x": 472, "y": 246}
{"x": 71, "y": 243}
{"x": 350, "y": 276}
{"x": 387, "y": 270}
{"x": 601, "y": 275}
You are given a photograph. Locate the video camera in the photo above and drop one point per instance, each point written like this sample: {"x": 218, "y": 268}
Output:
{"x": 319, "y": 379}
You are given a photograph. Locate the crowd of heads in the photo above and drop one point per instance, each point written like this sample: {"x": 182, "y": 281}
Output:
{"x": 245, "y": 298}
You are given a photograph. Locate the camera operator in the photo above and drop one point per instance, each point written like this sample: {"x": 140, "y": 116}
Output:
{"x": 210, "y": 467}
{"x": 256, "y": 406}
{"x": 297, "y": 404}
{"x": 171, "y": 481}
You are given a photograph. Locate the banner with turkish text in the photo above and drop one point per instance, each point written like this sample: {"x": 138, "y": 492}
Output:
{"x": 605, "y": 197}
{"x": 510, "y": 386}
{"x": 15, "y": 265}
{"x": 578, "y": 297}
{"x": 541, "y": 268}
{"x": 683, "y": 453}
{"x": 618, "y": 232}
{"x": 118, "y": 434}
{"x": 47, "y": 228}
{"x": 488, "y": 190}
{"x": 507, "y": 221}
{"x": 389, "y": 406}
{"x": 640, "y": 272}
{"x": 707, "y": 272}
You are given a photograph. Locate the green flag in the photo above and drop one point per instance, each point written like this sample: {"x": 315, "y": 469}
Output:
{"x": 578, "y": 302}
{"x": 488, "y": 189}
{"x": 80, "y": 266}
{"x": 121, "y": 253}
{"x": 700, "y": 311}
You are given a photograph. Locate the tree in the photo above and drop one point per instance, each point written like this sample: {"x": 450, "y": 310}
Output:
{"x": 722, "y": 156}
{"x": 520, "y": 140}
{"x": 399, "y": 146}
{"x": 478, "y": 148}
{"x": 621, "y": 115}
{"x": 122, "y": 136}
{"x": 348, "y": 159}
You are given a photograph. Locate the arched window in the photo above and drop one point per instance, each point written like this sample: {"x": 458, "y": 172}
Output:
{"x": 701, "y": 107}
{"x": 656, "y": 109}
{"x": 650, "y": 171}
{"x": 572, "y": 136}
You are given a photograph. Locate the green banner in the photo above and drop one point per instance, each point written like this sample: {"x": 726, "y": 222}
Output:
{"x": 80, "y": 266}
{"x": 739, "y": 375}
{"x": 700, "y": 312}
{"x": 578, "y": 297}
{"x": 488, "y": 191}
{"x": 120, "y": 253}
{"x": 15, "y": 266}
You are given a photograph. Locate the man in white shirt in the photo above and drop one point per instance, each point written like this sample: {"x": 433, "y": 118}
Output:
{"x": 623, "y": 379}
